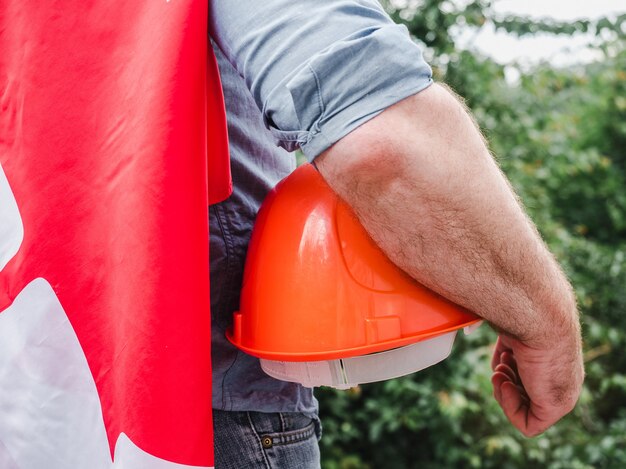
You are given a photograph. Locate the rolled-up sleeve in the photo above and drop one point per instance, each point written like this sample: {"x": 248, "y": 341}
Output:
{"x": 318, "y": 69}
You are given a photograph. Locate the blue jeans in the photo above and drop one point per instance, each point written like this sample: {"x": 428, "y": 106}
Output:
{"x": 251, "y": 440}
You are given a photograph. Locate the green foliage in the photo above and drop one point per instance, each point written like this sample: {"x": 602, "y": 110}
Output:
{"x": 560, "y": 136}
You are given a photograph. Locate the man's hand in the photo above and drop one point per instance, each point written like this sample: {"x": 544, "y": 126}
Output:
{"x": 536, "y": 387}
{"x": 423, "y": 184}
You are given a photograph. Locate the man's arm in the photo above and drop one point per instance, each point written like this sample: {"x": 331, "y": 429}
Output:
{"x": 422, "y": 182}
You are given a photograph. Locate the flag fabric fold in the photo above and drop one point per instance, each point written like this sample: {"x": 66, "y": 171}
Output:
{"x": 104, "y": 157}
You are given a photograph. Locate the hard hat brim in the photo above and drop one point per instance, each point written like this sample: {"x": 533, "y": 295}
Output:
{"x": 347, "y": 352}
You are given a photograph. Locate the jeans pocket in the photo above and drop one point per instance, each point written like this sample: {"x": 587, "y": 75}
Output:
{"x": 288, "y": 440}
{"x": 289, "y": 437}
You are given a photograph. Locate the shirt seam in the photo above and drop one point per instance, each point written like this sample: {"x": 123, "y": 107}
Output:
{"x": 229, "y": 249}
{"x": 320, "y": 103}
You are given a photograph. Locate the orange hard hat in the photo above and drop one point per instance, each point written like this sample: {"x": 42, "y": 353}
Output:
{"x": 321, "y": 304}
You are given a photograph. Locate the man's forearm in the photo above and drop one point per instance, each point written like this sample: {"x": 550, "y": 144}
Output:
{"x": 425, "y": 187}
{"x": 422, "y": 182}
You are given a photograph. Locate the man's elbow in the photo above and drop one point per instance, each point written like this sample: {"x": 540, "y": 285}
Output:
{"x": 419, "y": 137}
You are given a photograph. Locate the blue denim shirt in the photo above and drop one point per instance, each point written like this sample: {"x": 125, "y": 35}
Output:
{"x": 296, "y": 74}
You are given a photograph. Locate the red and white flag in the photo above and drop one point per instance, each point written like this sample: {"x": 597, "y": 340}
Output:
{"x": 105, "y": 109}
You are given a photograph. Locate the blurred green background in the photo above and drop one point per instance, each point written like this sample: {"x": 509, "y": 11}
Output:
{"x": 559, "y": 133}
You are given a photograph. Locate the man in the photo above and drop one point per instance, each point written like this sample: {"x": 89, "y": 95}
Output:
{"x": 347, "y": 86}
